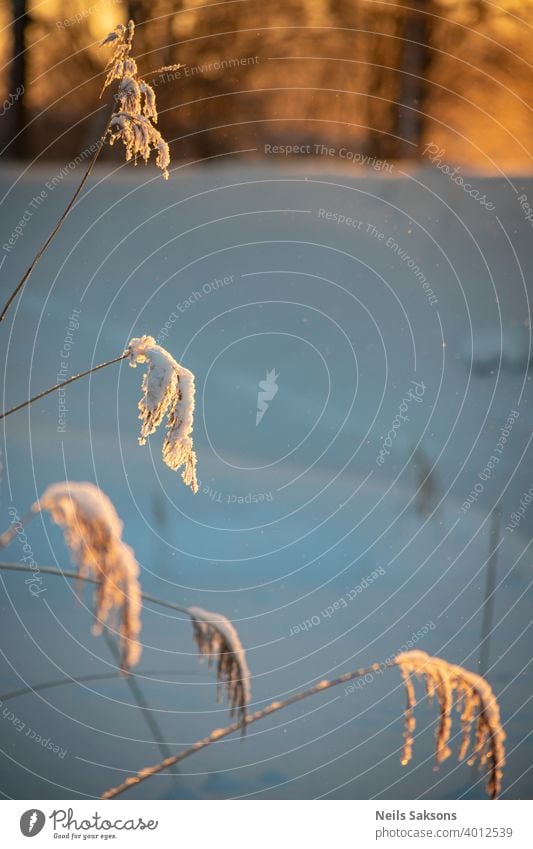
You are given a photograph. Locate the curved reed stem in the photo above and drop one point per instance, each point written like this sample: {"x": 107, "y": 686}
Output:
{"x": 22, "y": 282}
{"x": 60, "y": 385}
{"x": 249, "y": 719}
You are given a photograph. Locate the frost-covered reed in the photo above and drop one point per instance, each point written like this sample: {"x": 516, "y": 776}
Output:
{"x": 218, "y": 641}
{"x": 93, "y": 535}
{"x": 133, "y": 122}
{"x": 168, "y": 388}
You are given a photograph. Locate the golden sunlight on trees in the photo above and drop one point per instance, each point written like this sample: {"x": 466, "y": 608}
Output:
{"x": 386, "y": 76}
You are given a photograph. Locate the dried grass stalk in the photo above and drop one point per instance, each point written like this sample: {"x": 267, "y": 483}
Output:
{"x": 93, "y": 534}
{"x": 218, "y": 641}
{"x": 474, "y": 699}
{"x": 167, "y": 387}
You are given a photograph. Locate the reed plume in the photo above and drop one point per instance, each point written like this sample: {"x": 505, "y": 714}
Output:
{"x": 217, "y": 640}
{"x": 133, "y": 122}
{"x": 93, "y": 535}
{"x": 474, "y": 699}
{"x": 167, "y": 387}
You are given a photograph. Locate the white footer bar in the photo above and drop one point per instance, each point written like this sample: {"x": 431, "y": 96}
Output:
{"x": 267, "y": 824}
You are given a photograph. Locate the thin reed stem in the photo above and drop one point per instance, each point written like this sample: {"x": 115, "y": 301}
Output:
{"x": 490, "y": 588}
{"x": 60, "y": 385}
{"x": 67, "y": 680}
{"x": 20, "y": 285}
{"x": 59, "y": 573}
{"x": 249, "y": 719}
{"x": 146, "y": 711}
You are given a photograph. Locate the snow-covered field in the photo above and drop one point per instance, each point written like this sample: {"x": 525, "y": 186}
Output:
{"x": 392, "y": 314}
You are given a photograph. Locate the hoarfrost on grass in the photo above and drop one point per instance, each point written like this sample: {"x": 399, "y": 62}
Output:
{"x": 133, "y": 122}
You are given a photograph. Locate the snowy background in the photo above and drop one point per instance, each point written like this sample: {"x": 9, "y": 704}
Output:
{"x": 242, "y": 272}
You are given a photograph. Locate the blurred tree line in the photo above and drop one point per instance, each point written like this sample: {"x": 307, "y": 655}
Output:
{"x": 381, "y": 77}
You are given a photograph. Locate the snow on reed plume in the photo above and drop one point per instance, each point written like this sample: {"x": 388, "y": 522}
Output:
{"x": 218, "y": 640}
{"x": 133, "y": 122}
{"x": 474, "y": 699}
{"x": 93, "y": 534}
{"x": 167, "y": 387}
